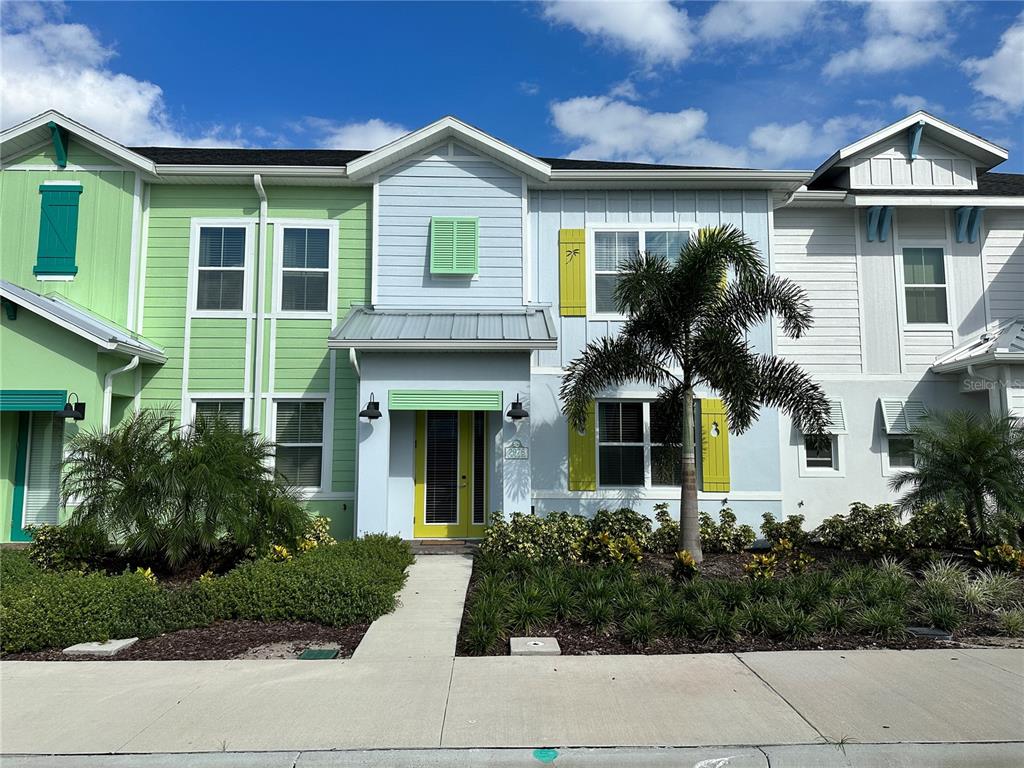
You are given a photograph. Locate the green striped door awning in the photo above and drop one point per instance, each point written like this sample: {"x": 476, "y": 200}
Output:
{"x": 33, "y": 399}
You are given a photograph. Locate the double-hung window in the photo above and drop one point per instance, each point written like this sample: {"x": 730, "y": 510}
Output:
{"x": 924, "y": 285}
{"x": 299, "y": 435}
{"x": 901, "y": 452}
{"x": 305, "y": 269}
{"x": 666, "y": 460}
{"x": 635, "y": 445}
{"x": 231, "y": 413}
{"x": 221, "y": 268}
{"x": 613, "y": 248}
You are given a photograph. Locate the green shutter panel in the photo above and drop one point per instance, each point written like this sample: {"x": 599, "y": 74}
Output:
{"x": 454, "y": 245}
{"x": 58, "y": 229}
{"x": 714, "y": 446}
{"x": 583, "y": 455}
{"x": 572, "y": 273}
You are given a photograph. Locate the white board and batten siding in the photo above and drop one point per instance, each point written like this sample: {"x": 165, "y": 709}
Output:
{"x": 889, "y": 165}
{"x": 1003, "y": 253}
{"x": 817, "y": 249}
{"x": 551, "y": 211}
{"x": 449, "y": 180}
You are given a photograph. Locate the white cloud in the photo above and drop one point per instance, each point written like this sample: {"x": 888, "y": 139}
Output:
{"x": 909, "y": 103}
{"x": 900, "y": 35}
{"x": 655, "y": 30}
{"x": 1000, "y": 77}
{"x": 48, "y": 64}
{"x": 625, "y": 89}
{"x": 732, "y": 20}
{"x": 609, "y": 129}
{"x": 529, "y": 88}
{"x": 369, "y": 134}
{"x": 776, "y": 144}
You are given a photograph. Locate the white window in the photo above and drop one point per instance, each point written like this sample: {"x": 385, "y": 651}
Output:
{"x": 899, "y": 419}
{"x": 306, "y": 255}
{"x": 924, "y": 285}
{"x": 42, "y": 479}
{"x": 822, "y": 456}
{"x": 299, "y": 435}
{"x": 901, "y": 452}
{"x": 220, "y": 282}
{"x": 821, "y": 453}
{"x": 631, "y": 436}
{"x": 230, "y": 412}
{"x": 613, "y": 246}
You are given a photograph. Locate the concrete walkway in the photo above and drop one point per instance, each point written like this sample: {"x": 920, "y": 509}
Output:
{"x": 404, "y": 690}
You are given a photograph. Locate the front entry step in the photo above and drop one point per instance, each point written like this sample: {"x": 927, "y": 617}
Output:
{"x": 443, "y": 546}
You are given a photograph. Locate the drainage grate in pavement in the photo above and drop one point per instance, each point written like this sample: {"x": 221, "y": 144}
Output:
{"x": 319, "y": 653}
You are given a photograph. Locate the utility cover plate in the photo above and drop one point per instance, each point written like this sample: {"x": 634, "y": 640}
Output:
{"x": 534, "y": 646}
{"x": 320, "y": 653}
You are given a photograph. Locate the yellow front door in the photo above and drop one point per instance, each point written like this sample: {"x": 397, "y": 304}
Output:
{"x": 451, "y": 474}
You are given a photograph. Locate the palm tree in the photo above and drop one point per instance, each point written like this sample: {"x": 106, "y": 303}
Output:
{"x": 971, "y": 461}
{"x": 687, "y": 326}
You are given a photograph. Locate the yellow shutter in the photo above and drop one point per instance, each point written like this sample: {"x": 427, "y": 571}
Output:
{"x": 714, "y": 430}
{"x": 583, "y": 455}
{"x": 572, "y": 272}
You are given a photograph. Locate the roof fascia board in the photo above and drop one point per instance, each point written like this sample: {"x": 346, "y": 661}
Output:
{"x": 940, "y": 201}
{"x": 447, "y": 127}
{"x": 988, "y": 358}
{"x": 996, "y": 153}
{"x": 249, "y": 170}
{"x": 419, "y": 344}
{"x": 87, "y": 135}
{"x": 788, "y": 181}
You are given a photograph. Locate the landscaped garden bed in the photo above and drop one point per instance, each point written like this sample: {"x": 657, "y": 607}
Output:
{"x": 610, "y": 586}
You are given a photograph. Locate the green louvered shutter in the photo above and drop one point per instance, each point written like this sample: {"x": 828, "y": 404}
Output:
{"x": 583, "y": 455}
{"x": 454, "y": 246}
{"x": 58, "y": 229}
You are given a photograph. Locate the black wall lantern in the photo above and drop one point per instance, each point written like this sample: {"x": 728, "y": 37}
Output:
{"x": 516, "y": 410}
{"x": 74, "y": 410}
{"x": 372, "y": 410}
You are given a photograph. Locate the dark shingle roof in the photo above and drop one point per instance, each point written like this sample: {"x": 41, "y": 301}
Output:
{"x": 336, "y": 157}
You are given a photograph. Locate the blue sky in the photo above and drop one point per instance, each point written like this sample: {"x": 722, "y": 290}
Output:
{"x": 764, "y": 84}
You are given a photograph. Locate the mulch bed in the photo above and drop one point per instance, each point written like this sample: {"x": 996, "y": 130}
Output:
{"x": 223, "y": 640}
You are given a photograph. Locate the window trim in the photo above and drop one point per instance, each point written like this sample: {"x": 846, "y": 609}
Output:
{"x": 221, "y": 397}
{"x": 249, "y": 268}
{"x": 947, "y": 286}
{"x": 307, "y": 491}
{"x": 591, "y": 250}
{"x": 888, "y": 470}
{"x": 280, "y": 225}
{"x": 838, "y": 468}
{"x": 647, "y": 445}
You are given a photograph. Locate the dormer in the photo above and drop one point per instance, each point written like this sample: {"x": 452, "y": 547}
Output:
{"x": 919, "y": 152}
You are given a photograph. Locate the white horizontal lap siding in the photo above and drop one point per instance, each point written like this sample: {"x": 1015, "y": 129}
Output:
{"x": 463, "y": 184}
{"x": 578, "y": 209}
{"x": 889, "y": 165}
{"x": 817, "y": 249}
{"x": 1015, "y": 398}
{"x": 921, "y": 347}
{"x": 1003, "y": 253}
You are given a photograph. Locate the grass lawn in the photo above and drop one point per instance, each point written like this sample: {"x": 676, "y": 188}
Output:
{"x": 339, "y": 588}
{"x": 618, "y": 608}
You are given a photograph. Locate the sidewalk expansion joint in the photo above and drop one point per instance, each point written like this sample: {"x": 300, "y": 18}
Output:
{"x": 772, "y": 688}
{"x": 447, "y": 698}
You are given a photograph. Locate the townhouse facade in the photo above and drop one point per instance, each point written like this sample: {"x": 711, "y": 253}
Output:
{"x": 398, "y": 321}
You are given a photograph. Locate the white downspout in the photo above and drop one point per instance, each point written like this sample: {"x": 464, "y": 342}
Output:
{"x": 353, "y": 360}
{"x": 108, "y": 389}
{"x": 257, "y": 387}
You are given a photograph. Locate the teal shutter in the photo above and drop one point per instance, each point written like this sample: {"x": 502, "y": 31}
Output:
{"x": 454, "y": 245}
{"x": 58, "y": 229}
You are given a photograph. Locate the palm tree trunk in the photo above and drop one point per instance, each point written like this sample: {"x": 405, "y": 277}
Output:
{"x": 689, "y": 521}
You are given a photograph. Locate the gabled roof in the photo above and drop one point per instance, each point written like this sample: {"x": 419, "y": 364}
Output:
{"x": 410, "y": 329}
{"x": 447, "y": 128}
{"x": 36, "y": 131}
{"x": 100, "y": 331}
{"x": 1002, "y": 344}
{"x": 985, "y": 153}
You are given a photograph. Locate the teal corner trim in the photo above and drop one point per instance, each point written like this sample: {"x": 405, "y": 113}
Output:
{"x": 60, "y": 143}
{"x": 915, "y": 138}
{"x": 444, "y": 400}
{"x": 33, "y": 399}
{"x": 20, "y": 469}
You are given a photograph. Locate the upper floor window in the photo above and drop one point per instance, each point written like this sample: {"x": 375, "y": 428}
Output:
{"x": 613, "y": 248}
{"x": 221, "y": 268}
{"x": 924, "y": 283}
{"x": 305, "y": 269}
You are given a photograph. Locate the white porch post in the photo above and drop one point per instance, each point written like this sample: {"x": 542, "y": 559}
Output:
{"x": 515, "y": 458}
{"x": 373, "y": 465}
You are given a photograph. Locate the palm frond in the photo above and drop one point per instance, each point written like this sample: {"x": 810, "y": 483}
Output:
{"x": 785, "y": 385}
{"x": 747, "y": 305}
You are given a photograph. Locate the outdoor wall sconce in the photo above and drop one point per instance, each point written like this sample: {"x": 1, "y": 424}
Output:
{"x": 74, "y": 410}
{"x": 516, "y": 410}
{"x": 372, "y": 410}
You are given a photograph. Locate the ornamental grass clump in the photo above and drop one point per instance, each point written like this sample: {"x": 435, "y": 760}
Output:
{"x": 639, "y": 628}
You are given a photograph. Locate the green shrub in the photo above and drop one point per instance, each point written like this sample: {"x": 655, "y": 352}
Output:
{"x": 865, "y": 529}
{"x": 349, "y": 582}
{"x": 1002, "y": 556}
{"x": 1011, "y": 623}
{"x": 884, "y": 621}
{"x": 937, "y": 526}
{"x": 60, "y": 548}
{"x": 639, "y": 628}
{"x": 680, "y": 619}
{"x": 621, "y": 523}
{"x": 833, "y": 617}
{"x": 796, "y": 624}
{"x": 16, "y": 568}
{"x": 791, "y": 529}
{"x": 597, "y": 612}
{"x": 725, "y": 535}
{"x": 760, "y": 618}
{"x": 665, "y": 538}
{"x": 719, "y": 625}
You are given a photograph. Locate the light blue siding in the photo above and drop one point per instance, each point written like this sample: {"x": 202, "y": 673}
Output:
{"x": 449, "y": 181}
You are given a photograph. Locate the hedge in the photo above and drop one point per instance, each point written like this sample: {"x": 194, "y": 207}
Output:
{"x": 345, "y": 583}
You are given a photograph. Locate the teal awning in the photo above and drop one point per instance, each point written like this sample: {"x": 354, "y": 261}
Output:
{"x": 33, "y": 399}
